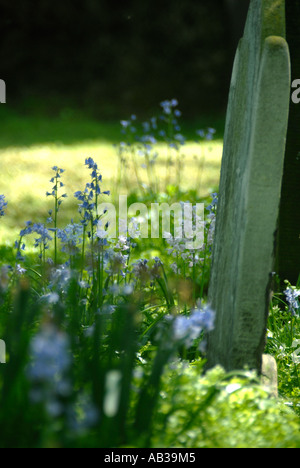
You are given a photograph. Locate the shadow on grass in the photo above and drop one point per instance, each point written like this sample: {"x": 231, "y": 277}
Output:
{"x": 28, "y": 125}
{"x": 70, "y": 127}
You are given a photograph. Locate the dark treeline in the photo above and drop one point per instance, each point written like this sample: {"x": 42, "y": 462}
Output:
{"x": 128, "y": 55}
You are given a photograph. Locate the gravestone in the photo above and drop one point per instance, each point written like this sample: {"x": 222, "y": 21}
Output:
{"x": 269, "y": 375}
{"x": 250, "y": 185}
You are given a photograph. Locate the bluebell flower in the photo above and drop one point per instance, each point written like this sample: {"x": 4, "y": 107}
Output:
{"x": 156, "y": 268}
{"x": 56, "y": 186}
{"x": 187, "y": 329}
{"x": 141, "y": 271}
{"x": 58, "y": 170}
{"x": 28, "y": 230}
{"x": 116, "y": 261}
{"x": 208, "y": 135}
{"x": 90, "y": 163}
{"x": 19, "y": 244}
{"x": 50, "y": 362}
{"x": 153, "y": 121}
{"x": 79, "y": 195}
{"x": 19, "y": 256}
{"x": 200, "y": 133}
{"x": 211, "y": 131}
{"x": 167, "y": 107}
{"x": 60, "y": 278}
{"x": 50, "y": 357}
{"x": 125, "y": 123}
{"x": 203, "y": 316}
{"x": 20, "y": 270}
{"x": 70, "y": 238}
{"x": 43, "y": 232}
{"x": 180, "y": 138}
{"x": 146, "y": 127}
{"x": 51, "y": 298}
{"x": 182, "y": 328}
{"x": 89, "y": 196}
{"x": 292, "y": 296}
{"x": 85, "y": 208}
{"x": 3, "y": 205}
{"x": 213, "y": 205}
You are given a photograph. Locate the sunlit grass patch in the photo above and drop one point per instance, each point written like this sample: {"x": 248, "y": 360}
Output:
{"x": 25, "y": 175}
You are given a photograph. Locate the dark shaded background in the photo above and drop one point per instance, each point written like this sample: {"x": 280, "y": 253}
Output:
{"x": 111, "y": 57}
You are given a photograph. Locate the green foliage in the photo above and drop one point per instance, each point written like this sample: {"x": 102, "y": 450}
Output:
{"x": 150, "y": 401}
{"x": 283, "y": 342}
{"x": 221, "y": 411}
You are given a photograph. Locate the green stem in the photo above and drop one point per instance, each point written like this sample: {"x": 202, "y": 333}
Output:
{"x": 203, "y": 274}
{"x": 194, "y": 279}
{"x": 55, "y": 221}
{"x": 83, "y": 252}
{"x": 135, "y": 167}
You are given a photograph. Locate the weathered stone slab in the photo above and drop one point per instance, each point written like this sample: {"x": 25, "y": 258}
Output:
{"x": 269, "y": 374}
{"x": 250, "y": 185}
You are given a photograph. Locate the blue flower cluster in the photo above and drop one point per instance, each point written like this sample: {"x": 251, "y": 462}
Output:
{"x": 50, "y": 355}
{"x": 169, "y": 106}
{"x": 42, "y": 240}
{"x": 212, "y": 207}
{"x": 188, "y": 328}
{"x": 70, "y": 238}
{"x": 89, "y": 196}
{"x": 292, "y": 296}
{"x": 3, "y": 205}
{"x": 43, "y": 232}
{"x": 57, "y": 184}
{"x": 48, "y": 369}
{"x": 206, "y": 134}
{"x": 170, "y": 115}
